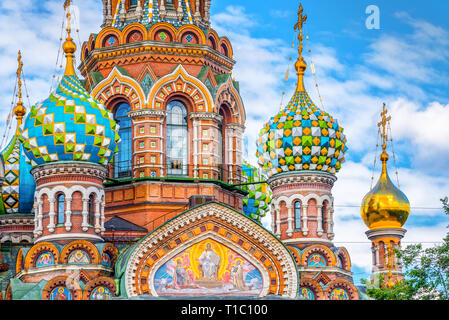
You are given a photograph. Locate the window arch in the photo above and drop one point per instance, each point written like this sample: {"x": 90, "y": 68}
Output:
{"x": 297, "y": 215}
{"x": 91, "y": 209}
{"x": 60, "y": 206}
{"x": 122, "y": 161}
{"x": 177, "y": 139}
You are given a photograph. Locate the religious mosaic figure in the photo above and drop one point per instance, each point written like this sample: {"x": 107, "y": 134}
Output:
{"x": 237, "y": 276}
{"x": 209, "y": 263}
{"x": 181, "y": 278}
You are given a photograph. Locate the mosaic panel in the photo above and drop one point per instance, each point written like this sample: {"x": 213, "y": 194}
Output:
{"x": 208, "y": 268}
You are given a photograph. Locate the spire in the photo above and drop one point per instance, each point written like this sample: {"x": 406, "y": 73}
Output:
{"x": 69, "y": 46}
{"x": 300, "y": 65}
{"x": 19, "y": 110}
{"x": 384, "y": 136}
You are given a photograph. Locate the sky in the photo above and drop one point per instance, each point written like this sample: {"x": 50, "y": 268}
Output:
{"x": 404, "y": 63}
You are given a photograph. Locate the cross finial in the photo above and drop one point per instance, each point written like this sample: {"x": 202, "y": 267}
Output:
{"x": 384, "y": 135}
{"x": 19, "y": 110}
{"x": 300, "y": 65}
{"x": 298, "y": 26}
{"x": 69, "y": 46}
{"x": 19, "y": 75}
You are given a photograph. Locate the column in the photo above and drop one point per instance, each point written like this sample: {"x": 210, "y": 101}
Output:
{"x": 278, "y": 222}
{"x": 197, "y": 15}
{"x": 40, "y": 218}
{"x": 195, "y": 147}
{"x": 139, "y": 8}
{"x": 330, "y": 223}
{"x": 102, "y": 205}
{"x": 305, "y": 214}
{"x": 162, "y": 11}
{"x": 376, "y": 248}
{"x": 319, "y": 217}
{"x": 84, "y": 224}
{"x": 97, "y": 216}
{"x": 273, "y": 219}
{"x": 68, "y": 214}
{"x": 36, "y": 214}
{"x": 290, "y": 220}
{"x": 51, "y": 215}
{"x": 180, "y": 11}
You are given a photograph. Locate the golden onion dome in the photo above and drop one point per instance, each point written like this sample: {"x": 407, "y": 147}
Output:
{"x": 385, "y": 206}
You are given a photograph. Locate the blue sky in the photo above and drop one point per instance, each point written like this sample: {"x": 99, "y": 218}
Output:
{"x": 404, "y": 64}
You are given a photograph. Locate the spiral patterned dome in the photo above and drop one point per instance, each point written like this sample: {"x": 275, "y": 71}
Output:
{"x": 69, "y": 126}
{"x": 255, "y": 205}
{"x": 301, "y": 137}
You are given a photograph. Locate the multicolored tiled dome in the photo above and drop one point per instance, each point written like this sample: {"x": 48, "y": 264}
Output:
{"x": 69, "y": 126}
{"x": 255, "y": 205}
{"x": 301, "y": 137}
{"x": 17, "y": 194}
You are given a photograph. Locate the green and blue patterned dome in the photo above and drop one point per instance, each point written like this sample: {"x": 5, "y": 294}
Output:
{"x": 256, "y": 204}
{"x": 301, "y": 137}
{"x": 17, "y": 194}
{"x": 69, "y": 126}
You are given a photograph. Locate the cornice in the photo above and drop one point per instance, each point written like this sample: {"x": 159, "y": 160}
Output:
{"x": 143, "y": 113}
{"x": 69, "y": 168}
{"x": 206, "y": 116}
{"x": 386, "y": 232}
{"x": 301, "y": 177}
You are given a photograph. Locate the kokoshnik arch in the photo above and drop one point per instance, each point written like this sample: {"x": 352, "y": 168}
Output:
{"x": 133, "y": 181}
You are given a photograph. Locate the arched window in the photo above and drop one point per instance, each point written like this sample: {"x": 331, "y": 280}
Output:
{"x": 122, "y": 167}
{"x": 298, "y": 215}
{"x": 91, "y": 209}
{"x": 177, "y": 139}
{"x": 60, "y": 202}
{"x": 323, "y": 216}
{"x": 132, "y": 4}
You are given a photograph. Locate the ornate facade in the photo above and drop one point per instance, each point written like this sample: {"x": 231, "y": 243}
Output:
{"x": 138, "y": 182}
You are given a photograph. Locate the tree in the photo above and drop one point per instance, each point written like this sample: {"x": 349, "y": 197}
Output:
{"x": 426, "y": 273}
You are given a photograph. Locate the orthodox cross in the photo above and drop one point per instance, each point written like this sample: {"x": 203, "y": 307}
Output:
{"x": 383, "y": 125}
{"x": 298, "y": 26}
{"x": 19, "y": 76}
{"x": 19, "y": 110}
{"x": 67, "y": 4}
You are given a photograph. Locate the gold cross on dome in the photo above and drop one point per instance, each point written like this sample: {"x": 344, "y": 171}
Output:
{"x": 383, "y": 124}
{"x": 298, "y": 26}
{"x": 19, "y": 76}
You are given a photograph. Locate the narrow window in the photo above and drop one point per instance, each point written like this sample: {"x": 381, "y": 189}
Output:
{"x": 123, "y": 157}
{"x": 298, "y": 215}
{"x": 177, "y": 139}
{"x": 60, "y": 208}
{"x": 91, "y": 209}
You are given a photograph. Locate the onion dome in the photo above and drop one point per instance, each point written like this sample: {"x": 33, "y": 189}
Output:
{"x": 256, "y": 203}
{"x": 301, "y": 136}
{"x": 70, "y": 125}
{"x": 17, "y": 192}
{"x": 385, "y": 206}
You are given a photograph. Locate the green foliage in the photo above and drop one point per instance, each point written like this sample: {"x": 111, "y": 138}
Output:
{"x": 426, "y": 273}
